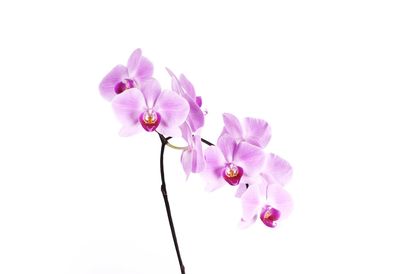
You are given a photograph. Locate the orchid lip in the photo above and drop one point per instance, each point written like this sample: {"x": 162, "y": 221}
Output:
{"x": 124, "y": 85}
{"x": 232, "y": 174}
{"x": 269, "y": 216}
{"x": 150, "y": 120}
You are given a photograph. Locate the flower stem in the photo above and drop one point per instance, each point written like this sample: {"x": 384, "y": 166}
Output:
{"x": 164, "y": 142}
{"x": 176, "y": 147}
{"x": 206, "y": 142}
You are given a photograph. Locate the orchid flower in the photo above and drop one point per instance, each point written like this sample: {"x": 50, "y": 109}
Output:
{"x": 192, "y": 158}
{"x": 278, "y": 204}
{"x": 229, "y": 162}
{"x": 121, "y": 78}
{"x": 150, "y": 109}
{"x": 251, "y": 130}
{"x": 185, "y": 89}
{"x": 275, "y": 174}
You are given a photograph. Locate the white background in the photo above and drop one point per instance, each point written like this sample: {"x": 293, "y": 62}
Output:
{"x": 77, "y": 198}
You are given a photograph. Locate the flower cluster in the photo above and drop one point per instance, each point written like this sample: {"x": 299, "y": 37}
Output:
{"x": 238, "y": 159}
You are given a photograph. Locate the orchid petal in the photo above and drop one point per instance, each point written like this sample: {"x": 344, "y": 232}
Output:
{"x": 166, "y": 130}
{"x": 145, "y": 69}
{"x": 172, "y": 108}
{"x": 246, "y": 223}
{"x": 192, "y": 159}
{"x": 215, "y": 163}
{"x": 134, "y": 61}
{"x": 250, "y": 202}
{"x": 188, "y": 154}
{"x": 186, "y": 160}
{"x": 280, "y": 199}
{"x": 198, "y": 157}
{"x": 196, "y": 115}
{"x": 227, "y": 145}
{"x": 249, "y": 157}
{"x": 187, "y": 134}
{"x": 247, "y": 181}
{"x": 128, "y": 106}
{"x": 240, "y": 190}
{"x": 107, "y": 85}
{"x": 187, "y": 86}
{"x": 232, "y": 126}
{"x": 127, "y": 131}
{"x": 175, "y": 85}
{"x": 139, "y": 67}
{"x": 258, "y": 132}
{"x": 214, "y": 185}
{"x": 151, "y": 91}
{"x": 277, "y": 170}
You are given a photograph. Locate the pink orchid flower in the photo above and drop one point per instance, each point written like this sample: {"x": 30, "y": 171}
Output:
{"x": 192, "y": 158}
{"x": 184, "y": 88}
{"x": 278, "y": 204}
{"x": 121, "y": 78}
{"x": 150, "y": 109}
{"x": 229, "y": 162}
{"x": 251, "y": 130}
{"x": 275, "y": 174}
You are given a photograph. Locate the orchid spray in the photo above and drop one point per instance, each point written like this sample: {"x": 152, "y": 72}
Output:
{"x": 237, "y": 160}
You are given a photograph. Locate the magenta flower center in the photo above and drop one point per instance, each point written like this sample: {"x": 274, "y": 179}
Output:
{"x": 150, "y": 120}
{"x": 124, "y": 85}
{"x": 269, "y": 216}
{"x": 232, "y": 174}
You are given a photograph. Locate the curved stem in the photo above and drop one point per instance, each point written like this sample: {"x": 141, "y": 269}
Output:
{"x": 164, "y": 142}
{"x": 185, "y": 147}
{"x": 176, "y": 147}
